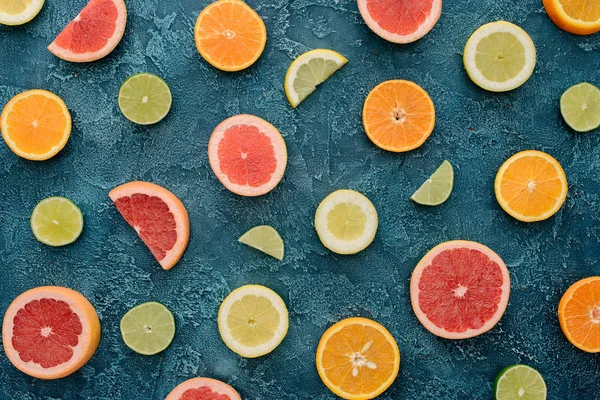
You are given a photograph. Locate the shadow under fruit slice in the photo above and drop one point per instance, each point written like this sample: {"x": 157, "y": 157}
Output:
{"x": 158, "y": 217}
{"x": 460, "y": 289}
{"x": 50, "y": 332}
{"x": 203, "y": 389}
{"x": 579, "y": 314}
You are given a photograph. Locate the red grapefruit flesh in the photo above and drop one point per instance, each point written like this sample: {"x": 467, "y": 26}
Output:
{"x": 50, "y": 332}
{"x": 400, "y": 21}
{"x": 248, "y": 155}
{"x": 203, "y": 389}
{"x": 460, "y": 289}
{"x": 93, "y": 34}
{"x": 158, "y": 216}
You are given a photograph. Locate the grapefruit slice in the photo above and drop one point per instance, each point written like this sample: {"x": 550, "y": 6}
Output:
{"x": 460, "y": 289}
{"x": 400, "y": 21}
{"x": 158, "y": 216}
{"x": 93, "y": 34}
{"x": 248, "y": 155}
{"x": 203, "y": 389}
{"x": 50, "y": 332}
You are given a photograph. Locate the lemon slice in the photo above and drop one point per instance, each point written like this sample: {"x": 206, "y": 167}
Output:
{"x": 436, "y": 190}
{"x": 19, "y": 12}
{"x": 253, "y": 320}
{"x": 580, "y": 107}
{"x": 499, "y": 56}
{"x": 346, "y": 222}
{"x": 310, "y": 70}
{"x": 266, "y": 239}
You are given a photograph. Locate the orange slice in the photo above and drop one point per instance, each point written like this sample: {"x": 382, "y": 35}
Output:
{"x": 230, "y": 35}
{"x": 531, "y": 186}
{"x": 398, "y": 116}
{"x": 358, "y": 359}
{"x": 581, "y": 17}
{"x": 579, "y": 314}
{"x": 36, "y": 124}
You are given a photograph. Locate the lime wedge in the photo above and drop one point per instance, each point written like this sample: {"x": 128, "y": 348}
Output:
{"x": 145, "y": 98}
{"x": 437, "y": 188}
{"x": 580, "y": 107}
{"x": 519, "y": 382}
{"x": 148, "y": 328}
{"x": 266, "y": 239}
{"x": 18, "y": 12}
{"x": 56, "y": 221}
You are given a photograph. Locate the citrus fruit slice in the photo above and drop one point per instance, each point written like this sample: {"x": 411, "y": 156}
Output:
{"x": 436, "y": 190}
{"x": 398, "y": 116}
{"x": 158, "y": 217}
{"x": 19, "y": 12}
{"x": 531, "y": 186}
{"x": 519, "y": 382}
{"x": 203, "y": 389}
{"x": 36, "y": 124}
{"x": 459, "y": 289}
{"x": 499, "y": 56}
{"x": 346, "y": 222}
{"x": 579, "y": 314}
{"x": 400, "y": 21}
{"x": 248, "y": 155}
{"x": 581, "y": 17}
{"x": 56, "y": 221}
{"x": 310, "y": 70}
{"x": 145, "y": 98}
{"x": 148, "y": 328}
{"x": 50, "y": 332}
{"x": 358, "y": 359}
{"x": 253, "y": 320}
{"x": 230, "y": 35}
{"x": 93, "y": 33}
{"x": 266, "y": 239}
{"x": 580, "y": 107}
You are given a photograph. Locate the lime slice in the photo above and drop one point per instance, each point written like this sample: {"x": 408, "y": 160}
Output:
{"x": 519, "y": 382}
{"x": 56, "y": 221}
{"x": 264, "y": 238}
{"x": 145, "y": 98}
{"x": 310, "y": 70}
{"x": 580, "y": 107}
{"x": 499, "y": 56}
{"x": 18, "y": 12}
{"x": 148, "y": 328}
{"x": 253, "y": 320}
{"x": 436, "y": 190}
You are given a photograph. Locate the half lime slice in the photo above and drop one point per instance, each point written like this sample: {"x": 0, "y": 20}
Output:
{"x": 437, "y": 188}
{"x": 56, "y": 221}
{"x": 580, "y": 107}
{"x": 266, "y": 239}
{"x": 145, "y": 98}
{"x": 519, "y": 382}
{"x": 148, "y": 328}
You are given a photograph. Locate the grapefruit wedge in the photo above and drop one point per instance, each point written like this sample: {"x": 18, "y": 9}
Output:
{"x": 460, "y": 289}
{"x": 203, "y": 389}
{"x": 158, "y": 216}
{"x": 50, "y": 332}
{"x": 92, "y": 34}
{"x": 403, "y": 21}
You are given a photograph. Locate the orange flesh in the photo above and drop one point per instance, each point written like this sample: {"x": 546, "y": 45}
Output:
{"x": 584, "y": 10}
{"x": 581, "y": 315}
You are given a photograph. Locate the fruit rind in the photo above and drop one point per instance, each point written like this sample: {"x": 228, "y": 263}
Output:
{"x": 557, "y": 14}
{"x": 564, "y": 301}
{"x": 26, "y": 16}
{"x": 44, "y": 240}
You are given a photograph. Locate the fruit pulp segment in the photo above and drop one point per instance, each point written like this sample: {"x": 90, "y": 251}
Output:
{"x": 582, "y": 315}
{"x": 311, "y": 74}
{"x": 584, "y": 10}
{"x": 253, "y": 320}
{"x": 14, "y": 7}
{"x": 500, "y": 56}
{"x": 401, "y": 17}
{"x": 202, "y": 393}
{"x": 346, "y": 221}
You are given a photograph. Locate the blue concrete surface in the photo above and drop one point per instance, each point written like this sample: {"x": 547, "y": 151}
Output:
{"x": 328, "y": 150}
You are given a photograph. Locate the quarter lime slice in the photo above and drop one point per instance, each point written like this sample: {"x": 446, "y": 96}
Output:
{"x": 310, "y": 70}
{"x": 436, "y": 190}
{"x": 266, "y": 239}
{"x": 56, "y": 221}
{"x": 148, "y": 328}
{"x": 145, "y": 98}
{"x": 580, "y": 107}
{"x": 19, "y": 12}
{"x": 519, "y": 382}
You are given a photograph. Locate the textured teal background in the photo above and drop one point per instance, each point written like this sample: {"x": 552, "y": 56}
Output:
{"x": 328, "y": 150}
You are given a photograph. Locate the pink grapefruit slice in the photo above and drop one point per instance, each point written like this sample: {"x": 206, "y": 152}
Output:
{"x": 93, "y": 34}
{"x": 203, "y": 389}
{"x": 400, "y": 21}
{"x": 248, "y": 155}
{"x": 460, "y": 289}
{"x": 158, "y": 217}
{"x": 50, "y": 332}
